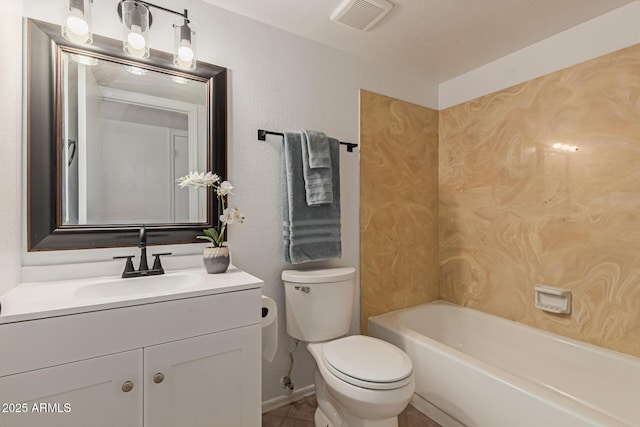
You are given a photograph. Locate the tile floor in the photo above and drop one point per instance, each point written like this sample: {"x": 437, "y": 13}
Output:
{"x": 300, "y": 414}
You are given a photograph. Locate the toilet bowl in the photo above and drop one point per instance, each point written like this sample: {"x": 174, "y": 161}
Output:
{"x": 369, "y": 397}
{"x": 360, "y": 381}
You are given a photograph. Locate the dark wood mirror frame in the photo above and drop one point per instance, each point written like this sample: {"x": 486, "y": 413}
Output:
{"x": 43, "y": 134}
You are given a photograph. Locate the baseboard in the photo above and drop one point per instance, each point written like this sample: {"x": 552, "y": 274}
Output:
{"x": 433, "y": 412}
{"x": 280, "y": 401}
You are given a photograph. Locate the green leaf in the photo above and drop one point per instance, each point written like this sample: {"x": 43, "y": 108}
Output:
{"x": 205, "y": 238}
{"x": 212, "y": 235}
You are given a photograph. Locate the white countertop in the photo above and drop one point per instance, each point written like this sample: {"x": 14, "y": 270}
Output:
{"x": 37, "y": 300}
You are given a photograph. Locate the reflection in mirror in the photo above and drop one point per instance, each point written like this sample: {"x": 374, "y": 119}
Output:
{"x": 130, "y": 133}
{"x": 107, "y": 136}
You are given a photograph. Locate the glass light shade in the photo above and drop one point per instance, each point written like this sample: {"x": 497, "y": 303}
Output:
{"x": 135, "y": 20}
{"x": 184, "y": 51}
{"x": 76, "y": 25}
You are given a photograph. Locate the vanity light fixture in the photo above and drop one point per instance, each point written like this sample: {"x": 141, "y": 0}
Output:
{"x": 184, "y": 53}
{"x": 137, "y": 19}
{"x": 76, "y": 26}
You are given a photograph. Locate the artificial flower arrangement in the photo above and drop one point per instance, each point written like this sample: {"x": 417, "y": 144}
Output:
{"x": 214, "y": 235}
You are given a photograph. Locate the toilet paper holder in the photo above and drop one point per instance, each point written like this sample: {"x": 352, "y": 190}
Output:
{"x": 269, "y": 321}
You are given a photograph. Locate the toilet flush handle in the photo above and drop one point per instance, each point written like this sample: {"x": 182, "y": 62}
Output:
{"x": 304, "y": 289}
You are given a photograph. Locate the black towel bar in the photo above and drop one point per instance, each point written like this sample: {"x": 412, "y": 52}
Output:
{"x": 262, "y": 136}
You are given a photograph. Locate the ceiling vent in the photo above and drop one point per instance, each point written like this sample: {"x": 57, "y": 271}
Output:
{"x": 361, "y": 14}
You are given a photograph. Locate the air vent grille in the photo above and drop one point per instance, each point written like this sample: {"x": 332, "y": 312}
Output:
{"x": 361, "y": 14}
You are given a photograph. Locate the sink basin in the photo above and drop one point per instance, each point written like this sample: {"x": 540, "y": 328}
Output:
{"x": 138, "y": 286}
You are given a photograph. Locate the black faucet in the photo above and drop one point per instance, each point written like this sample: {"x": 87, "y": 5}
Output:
{"x": 143, "y": 250}
{"x": 143, "y": 270}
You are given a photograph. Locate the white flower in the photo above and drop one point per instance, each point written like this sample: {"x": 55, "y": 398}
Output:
{"x": 224, "y": 188}
{"x": 184, "y": 181}
{"x": 198, "y": 179}
{"x": 216, "y": 234}
{"x": 210, "y": 178}
{"x": 237, "y": 216}
{"x": 227, "y": 216}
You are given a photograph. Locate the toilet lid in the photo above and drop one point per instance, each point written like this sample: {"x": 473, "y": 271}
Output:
{"x": 368, "y": 362}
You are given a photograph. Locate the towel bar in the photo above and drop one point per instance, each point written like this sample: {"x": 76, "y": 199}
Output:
{"x": 262, "y": 136}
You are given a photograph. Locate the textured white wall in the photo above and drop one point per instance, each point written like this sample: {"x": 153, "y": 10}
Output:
{"x": 277, "y": 81}
{"x": 607, "y": 33}
{"x": 10, "y": 132}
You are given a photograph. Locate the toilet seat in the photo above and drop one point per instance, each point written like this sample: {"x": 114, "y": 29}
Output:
{"x": 367, "y": 362}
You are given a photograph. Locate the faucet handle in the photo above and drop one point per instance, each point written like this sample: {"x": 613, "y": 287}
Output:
{"x": 128, "y": 267}
{"x": 157, "y": 265}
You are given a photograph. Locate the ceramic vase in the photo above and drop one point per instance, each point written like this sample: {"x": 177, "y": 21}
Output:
{"x": 216, "y": 260}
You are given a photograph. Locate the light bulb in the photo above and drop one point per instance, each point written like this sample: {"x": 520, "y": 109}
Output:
{"x": 185, "y": 53}
{"x": 77, "y": 26}
{"x": 136, "y": 40}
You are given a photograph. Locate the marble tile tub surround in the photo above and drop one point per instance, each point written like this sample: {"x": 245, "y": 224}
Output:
{"x": 539, "y": 184}
{"x": 398, "y": 205}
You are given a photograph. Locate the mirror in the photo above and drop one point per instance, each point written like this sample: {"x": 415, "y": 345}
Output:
{"x": 128, "y": 134}
{"x": 107, "y": 138}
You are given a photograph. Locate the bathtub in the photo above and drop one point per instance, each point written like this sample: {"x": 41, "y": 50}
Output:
{"x": 478, "y": 370}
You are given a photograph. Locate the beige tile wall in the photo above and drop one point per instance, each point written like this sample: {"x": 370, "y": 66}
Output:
{"x": 540, "y": 183}
{"x": 398, "y": 205}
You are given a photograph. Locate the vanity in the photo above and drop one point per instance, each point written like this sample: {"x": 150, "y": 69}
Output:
{"x": 180, "y": 349}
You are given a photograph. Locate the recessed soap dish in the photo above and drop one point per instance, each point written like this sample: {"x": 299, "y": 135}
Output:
{"x": 552, "y": 299}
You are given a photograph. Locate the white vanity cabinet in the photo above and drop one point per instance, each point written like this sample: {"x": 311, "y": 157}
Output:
{"x": 204, "y": 381}
{"x": 186, "y": 362}
{"x": 79, "y": 394}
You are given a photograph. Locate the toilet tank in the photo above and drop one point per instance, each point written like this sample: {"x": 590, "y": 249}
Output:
{"x": 319, "y": 303}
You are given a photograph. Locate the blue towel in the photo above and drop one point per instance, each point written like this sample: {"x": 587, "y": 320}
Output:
{"x": 316, "y": 147}
{"x": 310, "y": 233}
{"x": 316, "y": 167}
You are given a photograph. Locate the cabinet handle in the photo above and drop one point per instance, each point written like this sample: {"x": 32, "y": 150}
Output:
{"x": 127, "y": 386}
{"x": 158, "y": 378}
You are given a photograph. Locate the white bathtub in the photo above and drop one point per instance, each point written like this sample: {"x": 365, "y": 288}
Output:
{"x": 479, "y": 370}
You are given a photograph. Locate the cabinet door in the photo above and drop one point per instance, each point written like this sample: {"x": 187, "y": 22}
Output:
{"x": 212, "y": 380}
{"x": 79, "y": 394}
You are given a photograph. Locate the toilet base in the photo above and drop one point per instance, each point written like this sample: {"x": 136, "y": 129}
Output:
{"x": 331, "y": 413}
{"x": 321, "y": 420}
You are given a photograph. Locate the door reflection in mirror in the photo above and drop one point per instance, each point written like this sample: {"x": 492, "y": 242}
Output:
{"x": 134, "y": 132}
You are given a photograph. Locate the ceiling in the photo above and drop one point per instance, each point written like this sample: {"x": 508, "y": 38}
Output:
{"x": 436, "y": 38}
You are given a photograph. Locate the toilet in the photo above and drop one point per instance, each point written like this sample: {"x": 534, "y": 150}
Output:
{"x": 360, "y": 381}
